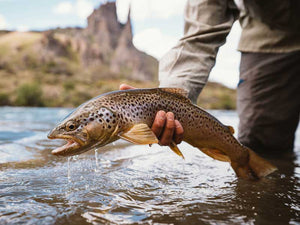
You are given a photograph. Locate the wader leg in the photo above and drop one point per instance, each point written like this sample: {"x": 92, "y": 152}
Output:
{"x": 268, "y": 101}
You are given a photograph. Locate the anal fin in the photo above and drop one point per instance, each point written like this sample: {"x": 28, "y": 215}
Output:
{"x": 216, "y": 154}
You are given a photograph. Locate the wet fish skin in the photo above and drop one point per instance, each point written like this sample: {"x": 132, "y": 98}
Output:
{"x": 129, "y": 115}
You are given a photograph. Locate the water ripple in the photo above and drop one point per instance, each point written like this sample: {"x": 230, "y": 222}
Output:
{"x": 126, "y": 184}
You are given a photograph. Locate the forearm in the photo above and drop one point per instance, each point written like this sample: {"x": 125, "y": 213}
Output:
{"x": 188, "y": 64}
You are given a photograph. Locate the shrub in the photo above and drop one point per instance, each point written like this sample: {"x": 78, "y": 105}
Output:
{"x": 69, "y": 85}
{"x": 29, "y": 95}
{"x": 227, "y": 102}
{"x": 4, "y": 99}
{"x": 224, "y": 102}
{"x": 79, "y": 98}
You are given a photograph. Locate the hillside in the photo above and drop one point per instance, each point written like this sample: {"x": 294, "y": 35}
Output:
{"x": 65, "y": 67}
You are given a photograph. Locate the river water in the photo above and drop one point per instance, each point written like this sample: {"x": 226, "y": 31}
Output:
{"x": 128, "y": 184}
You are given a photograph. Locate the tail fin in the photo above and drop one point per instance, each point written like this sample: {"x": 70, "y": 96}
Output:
{"x": 260, "y": 166}
{"x": 256, "y": 168}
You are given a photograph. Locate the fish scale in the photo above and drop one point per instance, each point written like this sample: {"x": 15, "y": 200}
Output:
{"x": 129, "y": 115}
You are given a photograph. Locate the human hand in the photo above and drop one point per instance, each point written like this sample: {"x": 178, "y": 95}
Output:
{"x": 165, "y": 127}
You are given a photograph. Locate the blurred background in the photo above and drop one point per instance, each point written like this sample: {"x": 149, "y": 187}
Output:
{"x": 62, "y": 53}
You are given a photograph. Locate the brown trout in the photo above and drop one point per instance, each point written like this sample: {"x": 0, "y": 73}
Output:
{"x": 129, "y": 115}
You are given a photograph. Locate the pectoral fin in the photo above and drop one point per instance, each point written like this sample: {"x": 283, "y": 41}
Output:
{"x": 139, "y": 134}
{"x": 216, "y": 154}
{"x": 175, "y": 149}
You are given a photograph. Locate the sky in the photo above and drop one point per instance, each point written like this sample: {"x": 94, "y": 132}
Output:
{"x": 157, "y": 26}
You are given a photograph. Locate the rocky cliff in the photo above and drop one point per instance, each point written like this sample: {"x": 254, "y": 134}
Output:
{"x": 110, "y": 42}
{"x": 107, "y": 43}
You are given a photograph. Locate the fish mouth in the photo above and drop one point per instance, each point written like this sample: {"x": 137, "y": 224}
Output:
{"x": 72, "y": 146}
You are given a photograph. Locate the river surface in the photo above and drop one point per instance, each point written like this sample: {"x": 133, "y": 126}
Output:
{"x": 128, "y": 184}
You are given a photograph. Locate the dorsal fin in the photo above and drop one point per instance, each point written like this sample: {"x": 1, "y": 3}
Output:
{"x": 231, "y": 129}
{"x": 179, "y": 91}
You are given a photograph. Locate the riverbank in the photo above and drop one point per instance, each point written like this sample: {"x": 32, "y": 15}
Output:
{"x": 71, "y": 93}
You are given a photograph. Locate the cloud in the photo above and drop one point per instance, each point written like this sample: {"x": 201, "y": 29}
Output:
{"x": 226, "y": 70}
{"x": 143, "y": 9}
{"x": 63, "y": 8}
{"x": 154, "y": 42}
{"x": 22, "y": 28}
{"x": 3, "y": 24}
{"x": 84, "y": 8}
{"x": 81, "y": 8}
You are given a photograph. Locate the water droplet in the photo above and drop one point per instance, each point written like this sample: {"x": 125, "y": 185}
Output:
{"x": 96, "y": 159}
{"x": 69, "y": 170}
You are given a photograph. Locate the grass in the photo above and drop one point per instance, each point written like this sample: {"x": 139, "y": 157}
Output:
{"x": 217, "y": 96}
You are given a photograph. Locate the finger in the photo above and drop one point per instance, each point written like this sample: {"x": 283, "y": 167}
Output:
{"x": 159, "y": 123}
{"x": 178, "y": 134}
{"x": 168, "y": 132}
{"x": 125, "y": 87}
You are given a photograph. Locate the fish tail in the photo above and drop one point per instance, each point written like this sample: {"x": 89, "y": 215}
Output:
{"x": 260, "y": 166}
{"x": 256, "y": 168}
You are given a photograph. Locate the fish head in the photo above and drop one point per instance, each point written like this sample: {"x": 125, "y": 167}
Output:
{"x": 85, "y": 129}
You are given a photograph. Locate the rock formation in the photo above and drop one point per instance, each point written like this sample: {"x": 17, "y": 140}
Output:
{"x": 105, "y": 45}
{"x": 108, "y": 42}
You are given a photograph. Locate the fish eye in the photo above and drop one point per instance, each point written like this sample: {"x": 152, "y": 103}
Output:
{"x": 70, "y": 126}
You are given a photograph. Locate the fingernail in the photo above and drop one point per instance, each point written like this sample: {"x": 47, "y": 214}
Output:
{"x": 170, "y": 116}
{"x": 161, "y": 114}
